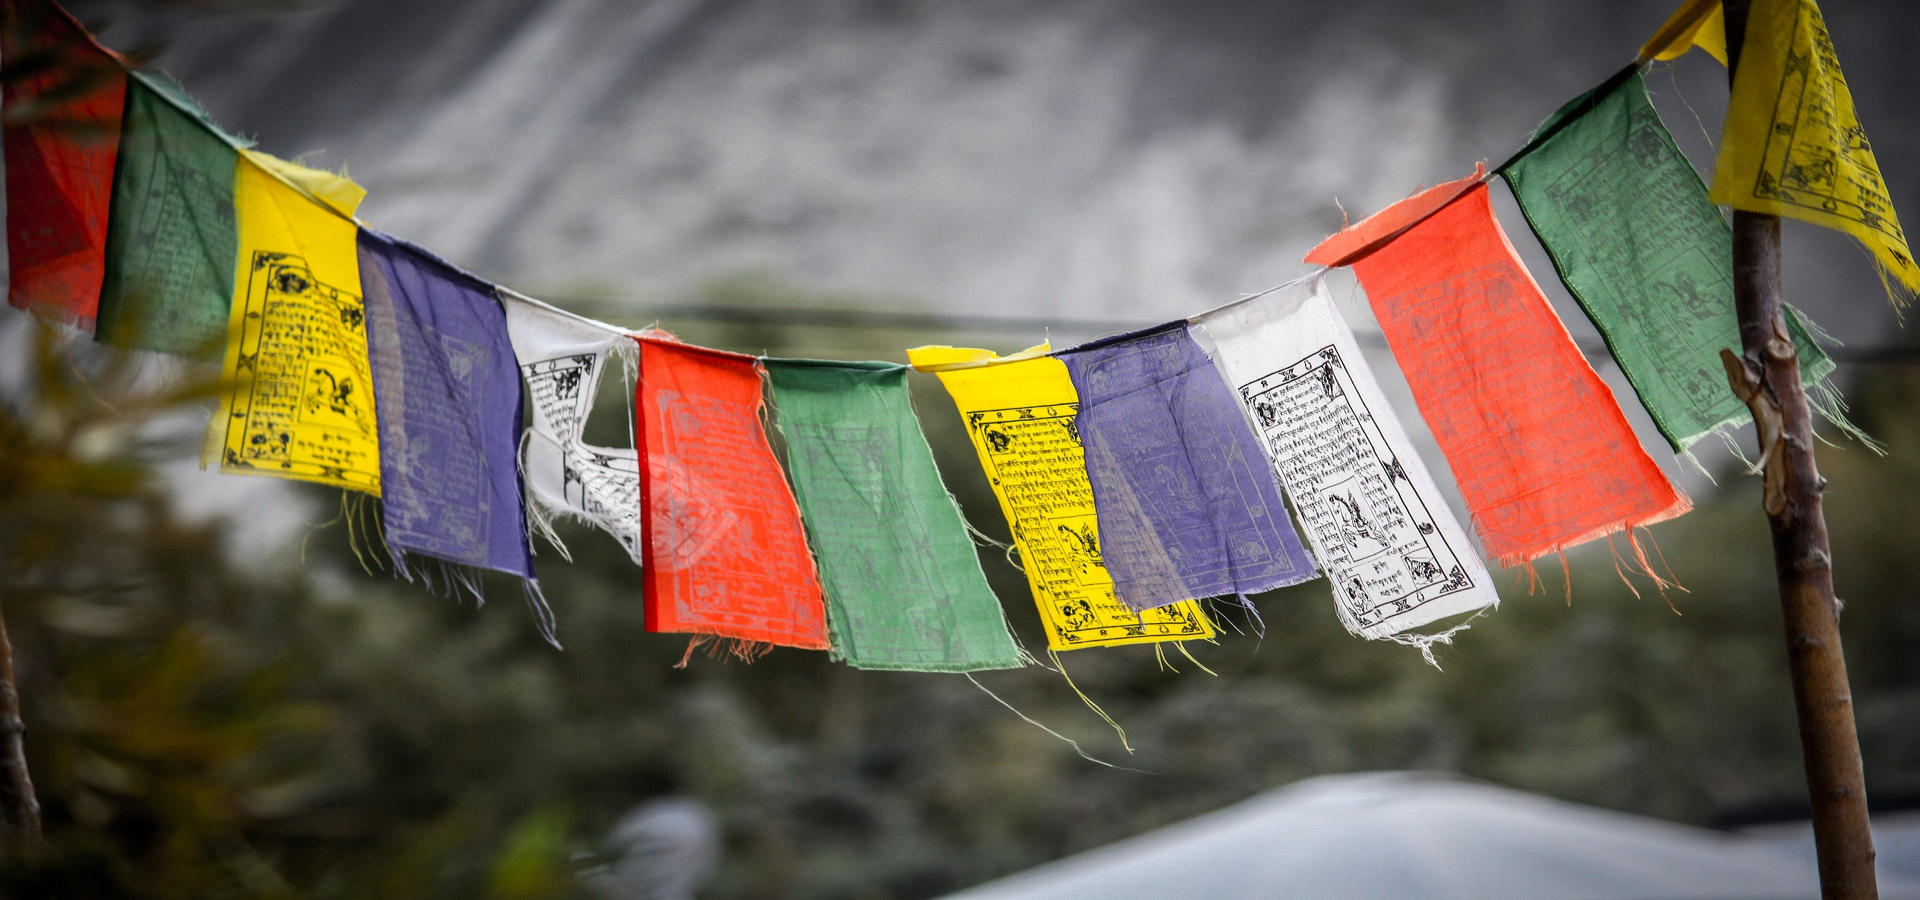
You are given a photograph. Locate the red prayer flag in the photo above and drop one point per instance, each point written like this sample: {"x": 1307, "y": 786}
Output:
{"x": 60, "y": 160}
{"x": 1538, "y": 444}
{"x": 724, "y": 552}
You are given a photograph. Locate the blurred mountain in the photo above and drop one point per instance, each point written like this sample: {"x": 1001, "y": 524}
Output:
{"x": 1132, "y": 159}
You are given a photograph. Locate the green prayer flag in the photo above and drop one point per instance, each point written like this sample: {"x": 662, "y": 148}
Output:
{"x": 1649, "y": 258}
{"x": 171, "y": 247}
{"x": 904, "y": 587}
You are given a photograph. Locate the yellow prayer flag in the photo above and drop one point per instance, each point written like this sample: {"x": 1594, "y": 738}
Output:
{"x": 301, "y": 405}
{"x": 1020, "y": 416}
{"x": 331, "y": 189}
{"x": 1697, "y": 23}
{"x": 1793, "y": 146}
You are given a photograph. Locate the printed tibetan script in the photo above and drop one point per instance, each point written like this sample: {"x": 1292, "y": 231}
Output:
{"x": 1793, "y": 143}
{"x": 1035, "y": 462}
{"x": 1374, "y": 532}
{"x": 1394, "y": 555}
{"x": 601, "y": 484}
{"x": 303, "y": 407}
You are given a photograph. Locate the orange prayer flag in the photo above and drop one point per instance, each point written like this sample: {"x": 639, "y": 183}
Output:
{"x": 724, "y": 553}
{"x": 1356, "y": 241}
{"x": 1537, "y": 442}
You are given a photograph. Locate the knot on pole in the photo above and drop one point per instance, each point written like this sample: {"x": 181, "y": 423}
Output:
{"x": 1814, "y": 560}
{"x": 1749, "y": 382}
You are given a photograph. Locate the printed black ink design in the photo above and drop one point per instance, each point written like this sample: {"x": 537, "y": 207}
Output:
{"x": 1801, "y": 165}
{"x": 601, "y": 484}
{"x": 304, "y": 410}
{"x": 1374, "y": 532}
{"x": 998, "y": 440}
{"x": 1033, "y": 456}
{"x": 1084, "y": 540}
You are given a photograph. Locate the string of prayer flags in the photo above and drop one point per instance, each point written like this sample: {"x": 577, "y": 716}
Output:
{"x": 562, "y": 359}
{"x": 301, "y": 403}
{"x": 1540, "y": 449}
{"x": 1649, "y": 258}
{"x": 1793, "y": 145}
{"x": 903, "y": 583}
{"x": 1697, "y": 23}
{"x": 1139, "y": 474}
{"x": 1393, "y": 552}
{"x": 62, "y": 135}
{"x": 725, "y": 554}
{"x": 1020, "y": 417}
{"x": 448, "y": 394}
{"x": 1187, "y": 506}
{"x": 171, "y": 241}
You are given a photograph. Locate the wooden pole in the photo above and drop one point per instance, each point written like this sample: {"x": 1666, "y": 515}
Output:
{"x": 1766, "y": 376}
{"x": 19, "y": 808}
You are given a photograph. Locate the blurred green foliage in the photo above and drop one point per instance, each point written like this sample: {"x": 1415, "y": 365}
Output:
{"x": 204, "y": 726}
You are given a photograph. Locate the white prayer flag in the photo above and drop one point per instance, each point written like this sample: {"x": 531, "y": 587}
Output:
{"x": 1395, "y": 555}
{"x": 562, "y": 358}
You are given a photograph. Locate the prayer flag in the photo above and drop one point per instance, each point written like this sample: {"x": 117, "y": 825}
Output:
{"x": 1538, "y": 445}
{"x": 1188, "y": 506}
{"x": 63, "y": 110}
{"x": 1697, "y": 23}
{"x": 1370, "y": 234}
{"x": 448, "y": 395}
{"x": 1793, "y": 146}
{"x": 1021, "y": 419}
{"x": 302, "y": 403}
{"x": 725, "y": 554}
{"x": 1648, "y": 257}
{"x": 562, "y": 359}
{"x": 171, "y": 244}
{"x": 903, "y": 584}
{"x": 1394, "y": 554}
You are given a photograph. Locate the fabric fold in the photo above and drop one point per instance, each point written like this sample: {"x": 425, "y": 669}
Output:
{"x": 1393, "y": 552}
{"x": 725, "y": 553}
{"x": 562, "y": 359}
{"x": 1186, "y": 503}
{"x": 1647, "y": 256}
{"x": 1695, "y": 23}
{"x": 302, "y": 403}
{"x": 1537, "y": 443}
{"x": 903, "y": 583}
{"x": 1356, "y": 241}
{"x": 1022, "y": 419}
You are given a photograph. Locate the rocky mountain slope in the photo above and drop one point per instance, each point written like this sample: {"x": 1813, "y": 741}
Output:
{"x": 1122, "y": 159}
